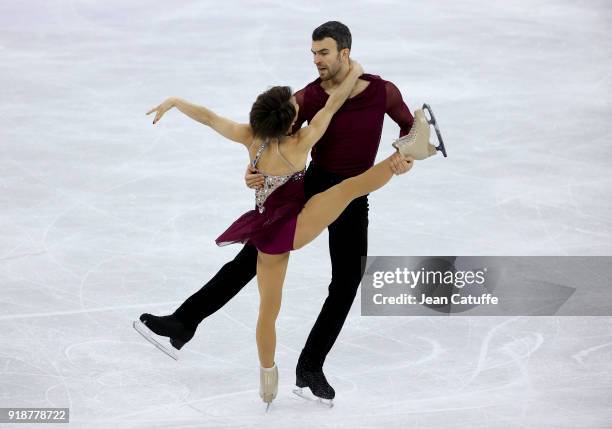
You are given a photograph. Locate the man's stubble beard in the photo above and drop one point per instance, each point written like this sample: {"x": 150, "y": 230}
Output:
{"x": 331, "y": 76}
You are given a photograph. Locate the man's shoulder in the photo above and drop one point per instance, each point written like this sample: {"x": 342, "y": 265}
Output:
{"x": 376, "y": 80}
{"x": 312, "y": 84}
{"x": 368, "y": 76}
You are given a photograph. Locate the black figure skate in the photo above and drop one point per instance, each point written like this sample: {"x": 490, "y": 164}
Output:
{"x": 317, "y": 383}
{"x": 154, "y": 328}
{"x": 416, "y": 143}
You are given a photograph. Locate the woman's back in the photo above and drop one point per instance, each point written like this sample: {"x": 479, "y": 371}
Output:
{"x": 271, "y": 225}
{"x": 277, "y": 159}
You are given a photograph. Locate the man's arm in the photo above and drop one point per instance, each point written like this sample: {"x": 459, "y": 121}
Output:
{"x": 399, "y": 112}
{"x": 397, "y": 109}
{"x": 234, "y": 131}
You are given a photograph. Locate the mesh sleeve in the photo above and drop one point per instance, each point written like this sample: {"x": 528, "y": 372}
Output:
{"x": 397, "y": 109}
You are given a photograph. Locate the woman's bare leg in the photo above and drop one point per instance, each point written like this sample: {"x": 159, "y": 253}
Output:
{"x": 271, "y": 271}
{"x": 324, "y": 208}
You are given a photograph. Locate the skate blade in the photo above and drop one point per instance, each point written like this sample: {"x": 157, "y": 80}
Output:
{"x": 433, "y": 122}
{"x": 329, "y": 403}
{"x": 268, "y": 406}
{"x": 147, "y": 334}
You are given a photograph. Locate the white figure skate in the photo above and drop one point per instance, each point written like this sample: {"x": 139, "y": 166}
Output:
{"x": 268, "y": 384}
{"x": 416, "y": 143}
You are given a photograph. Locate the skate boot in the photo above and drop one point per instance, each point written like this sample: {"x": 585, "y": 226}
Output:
{"x": 416, "y": 143}
{"x": 268, "y": 384}
{"x": 317, "y": 383}
{"x": 151, "y": 326}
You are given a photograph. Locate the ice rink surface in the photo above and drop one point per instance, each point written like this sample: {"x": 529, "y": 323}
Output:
{"x": 105, "y": 216}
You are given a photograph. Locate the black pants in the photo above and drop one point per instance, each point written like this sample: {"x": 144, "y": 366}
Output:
{"x": 348, "y": 242}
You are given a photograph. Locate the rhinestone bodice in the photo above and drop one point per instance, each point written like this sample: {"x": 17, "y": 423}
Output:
{"x": 271, "y": 182}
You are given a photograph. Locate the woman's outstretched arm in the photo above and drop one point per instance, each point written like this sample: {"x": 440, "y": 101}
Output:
{"x": 234, "y": 131}
{"x": 308, "y": 136}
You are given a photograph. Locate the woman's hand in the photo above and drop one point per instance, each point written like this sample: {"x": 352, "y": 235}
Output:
{"x": 399, "y": 164}
{"x": 253, "y": 178}
{"x": 356, "y": 68}
{"x": 162, "y": 108}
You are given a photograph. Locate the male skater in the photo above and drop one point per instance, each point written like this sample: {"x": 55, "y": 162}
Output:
{"x": 347, "y": 149}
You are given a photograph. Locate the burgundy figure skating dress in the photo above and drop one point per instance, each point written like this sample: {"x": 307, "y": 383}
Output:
{"x": 270, "y": 227}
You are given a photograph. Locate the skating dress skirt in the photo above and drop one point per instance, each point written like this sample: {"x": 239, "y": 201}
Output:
{"x": 270, "y": 227}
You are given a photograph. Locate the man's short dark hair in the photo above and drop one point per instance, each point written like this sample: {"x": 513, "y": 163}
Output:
{"x": 337, "y": 31}
{"x": 272, "y": 113}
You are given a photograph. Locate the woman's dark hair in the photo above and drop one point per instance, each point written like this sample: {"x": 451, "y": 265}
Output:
{"x": 337, "y": 31}
{"x": 272, "y": 113}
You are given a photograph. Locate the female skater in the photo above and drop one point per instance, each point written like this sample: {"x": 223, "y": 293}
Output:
{"x": 282, "y": 219}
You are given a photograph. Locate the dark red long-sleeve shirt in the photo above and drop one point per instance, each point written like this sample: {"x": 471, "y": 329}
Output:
{"x": 351, "y": 141}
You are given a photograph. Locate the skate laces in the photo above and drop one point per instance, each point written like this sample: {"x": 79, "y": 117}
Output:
{"x": 408, "y": 137}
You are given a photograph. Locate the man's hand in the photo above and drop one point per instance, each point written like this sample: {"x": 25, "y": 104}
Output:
{"x": 399, "y": 164}
{"x": 252, "y": 178}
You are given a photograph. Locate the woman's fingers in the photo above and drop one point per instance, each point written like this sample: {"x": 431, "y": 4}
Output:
{"x": 395, "y": 165}
{"x": 407, "y": 165}
{"x": 154, "y": 109}
{"x": 157, "y": 116}
{"x": 399, "y": 164}
{"x": 160, "y": 113}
